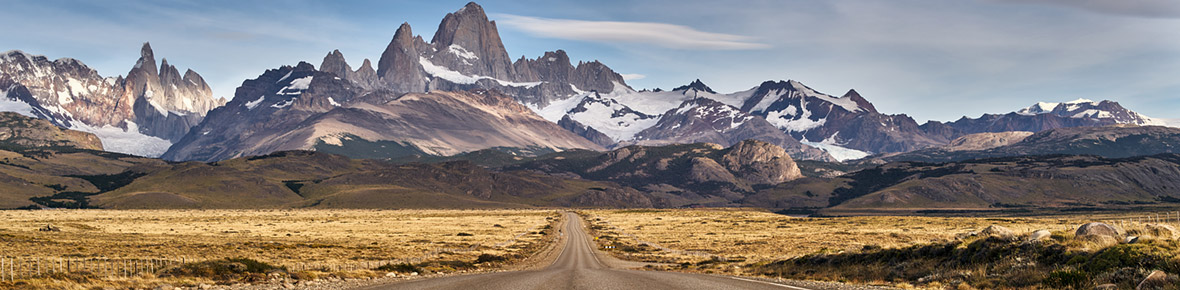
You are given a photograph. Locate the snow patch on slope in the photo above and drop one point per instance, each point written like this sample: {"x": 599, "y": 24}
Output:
{"x": 1038, "y": 108}
{"x": 606, "y": 116}
{"x": 129, "y": 141}
{"x": 15, "y": 105}
{"x": 251, "y": 104}
{"x": 735, "y": 99}
{"x": 786, "y": 120}
{"x": 555, "y": 110}
{"x": 297, "y": 86}
{"x": 838, "y": 152}
{"x": 845, "y": 103}
{"x": 460, "y": 78}
{"x": 462, "y": 53}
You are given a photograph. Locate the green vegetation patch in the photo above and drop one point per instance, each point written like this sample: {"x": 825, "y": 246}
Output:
{"x": 227, "y": 270}
{"x": 109, "y": 182}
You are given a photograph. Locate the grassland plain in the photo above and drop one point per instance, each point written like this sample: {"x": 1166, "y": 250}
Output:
{"x": 321, "y": 240}
{"x": 873, "y": 249}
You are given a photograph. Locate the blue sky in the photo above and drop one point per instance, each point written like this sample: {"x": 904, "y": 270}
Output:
{"x": 931, "y": 59}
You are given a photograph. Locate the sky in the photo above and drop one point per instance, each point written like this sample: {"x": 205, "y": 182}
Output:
{"x": 930, "y": 59}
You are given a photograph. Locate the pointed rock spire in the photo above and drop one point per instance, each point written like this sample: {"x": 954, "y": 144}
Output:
{"x": 169, "y": 76}
{"x": 334, "y": 63}
{"x": 469, "y": 29}
{"x": 399, "y": 66}
{"x": 365, "y": 74}
{"x": 147, "y": 59}
{"x": 860, "y": 101}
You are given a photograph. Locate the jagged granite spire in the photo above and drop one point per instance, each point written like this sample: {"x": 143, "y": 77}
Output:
{"x": 473, "y": 43}
{"x": 334, "y": 63}
{"x": 399, "y": 66}
{"x": 147, "y": 59}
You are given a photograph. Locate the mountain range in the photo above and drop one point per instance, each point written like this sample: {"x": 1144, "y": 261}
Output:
{"x": 42, "y": 165}
{"x": 588, "y": 99}
{"x": 460, "y": 92}
{"x": 142, "y": 113}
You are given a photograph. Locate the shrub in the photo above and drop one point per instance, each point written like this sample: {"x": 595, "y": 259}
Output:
{"x": 229, "y": 269}
{"x": 400, "y": 268}
{"x": 489, "y": 258}
{"x": 1072, "y": 279}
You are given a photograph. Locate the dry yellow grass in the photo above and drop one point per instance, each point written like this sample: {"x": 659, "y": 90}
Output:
{"x": 693, "y": 235}
{"x": 291, "y": 238}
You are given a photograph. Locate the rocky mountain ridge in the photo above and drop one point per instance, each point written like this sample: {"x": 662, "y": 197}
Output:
{"x": 1115, "y": 141}
{"x": 300, "y": 108}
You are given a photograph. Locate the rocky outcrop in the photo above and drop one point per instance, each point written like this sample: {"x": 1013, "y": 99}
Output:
{"x": 703, "y": 170}
{"x": 1038, "y": 236}
{"x": 21, "y": 132}
{"x": 760, "y": 163}
{"x": 998, "y": 231}
{"x": 984, "y": 141}
{"x": 1098, "y": 229}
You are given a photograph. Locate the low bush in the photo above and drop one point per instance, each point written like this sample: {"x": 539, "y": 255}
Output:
{"x": 489, "y": 258}
{"x": 988, "y": 263}
{"x": 229, "y": 269}
{"x": 400, "y": 268}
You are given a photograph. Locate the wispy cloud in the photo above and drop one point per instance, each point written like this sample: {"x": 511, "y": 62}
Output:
{"x": 1138, "y": 8}
{"x": 658, "y": 34}
{"x": 629, "y": 77}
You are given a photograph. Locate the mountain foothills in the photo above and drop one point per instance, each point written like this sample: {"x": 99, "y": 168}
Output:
{"x": 142, "y": 113}
{"x": 71, "y": 174}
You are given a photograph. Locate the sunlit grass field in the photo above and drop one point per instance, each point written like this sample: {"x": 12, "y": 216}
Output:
{"x": 295, "y": 239}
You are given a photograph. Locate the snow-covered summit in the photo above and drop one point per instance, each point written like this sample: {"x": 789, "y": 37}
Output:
{"x": 1089, "y": 109}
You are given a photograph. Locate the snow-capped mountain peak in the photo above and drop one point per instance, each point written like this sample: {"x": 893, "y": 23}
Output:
{"x": 1104, "y": 110}
{"x": 610, "y": 117}
{"x": 1038, "y": 108}
{"x": 695, "y": 85}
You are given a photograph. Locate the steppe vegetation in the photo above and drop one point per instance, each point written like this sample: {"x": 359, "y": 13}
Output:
{"x": 919, "y": 252}
{"x": 242, "y": 246}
